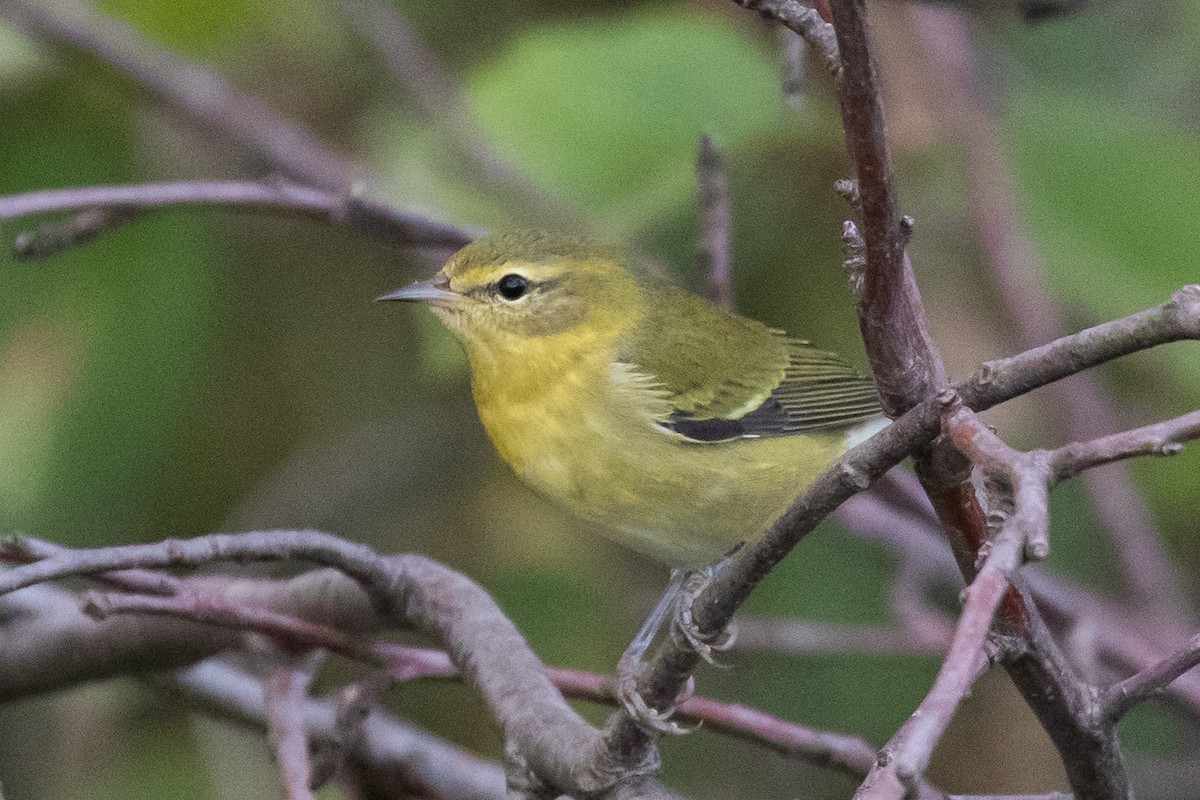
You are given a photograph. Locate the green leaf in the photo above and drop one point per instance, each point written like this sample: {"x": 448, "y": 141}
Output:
{"x": 1110, "y": 197}
{"x": 608, "y": 113}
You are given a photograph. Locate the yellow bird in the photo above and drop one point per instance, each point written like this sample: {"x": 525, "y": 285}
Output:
{"x": 684, "y": 429}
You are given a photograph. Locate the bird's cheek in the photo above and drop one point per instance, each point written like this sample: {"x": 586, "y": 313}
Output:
{"x": 450, "y": 316}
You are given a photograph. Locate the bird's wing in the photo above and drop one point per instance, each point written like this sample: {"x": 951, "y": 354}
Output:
{"x": 728, "y": 377}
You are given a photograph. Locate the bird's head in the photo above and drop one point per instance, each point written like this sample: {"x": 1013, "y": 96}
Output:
{"x": 504, "y": 292}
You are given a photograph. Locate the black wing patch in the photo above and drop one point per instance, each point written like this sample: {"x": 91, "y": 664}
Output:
{"x": 819, "y": 392}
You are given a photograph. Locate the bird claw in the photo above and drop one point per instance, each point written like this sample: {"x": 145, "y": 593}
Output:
{"x": 704, "y": 644}
{"x": 650, "y": 720}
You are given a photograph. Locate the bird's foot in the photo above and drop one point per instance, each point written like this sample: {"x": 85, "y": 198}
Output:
{"x": 704, "y": 643}
{"x": 651, "y": 720}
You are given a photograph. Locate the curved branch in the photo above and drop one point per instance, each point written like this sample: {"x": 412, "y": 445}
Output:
{"x": 277, "y": 196}
{"x": 1122, "y": 697}
{"x": 1081, "y": 410}
{"x": 548, "y": 740}
{"x": 999, "y": 381}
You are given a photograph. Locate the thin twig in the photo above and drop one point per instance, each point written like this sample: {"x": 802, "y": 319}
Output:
{"x": 355, "y": 702}
{"x": 716, "y": 223}
{"x": 390, "y": 755}
{"x": 1176, "y": 320}
{"x": 804, "y": 638}
{"x": 907, "y": 754}
{"x": 1120, "y": 698}
{"x": 205, "y": 98}
{"x": 804, "y": 20}
{"x": 277, "y": 196}
{"x": 1082, "y": 409}
{"x": 284, "y": 695}
{"x": 1165, "y": 438}
{"x": 433, "y": 90}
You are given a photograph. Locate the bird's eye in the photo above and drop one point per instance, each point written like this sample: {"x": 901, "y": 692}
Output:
{"x": 513, "y": 286}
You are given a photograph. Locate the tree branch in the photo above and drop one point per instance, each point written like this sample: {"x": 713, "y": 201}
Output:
{"x": 716, "y": 224}
{"x": 1122, "y": 697}
{"x": 1082, "y": 409}
{"x": 891, "y": 316}
{"x": 390, "y": 755}
{"x": 906, "y": 756}
{"x": 130, "y": 202}
{"x": 547, "y": 742}
{"x": 1165, "y": 438}
{"x": 202, "y": 96}
{"x": 284, "y": 695}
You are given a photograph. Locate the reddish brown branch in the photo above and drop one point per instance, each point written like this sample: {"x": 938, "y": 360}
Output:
{"x": 1082, "y": 409}
{"x": 891, "y": 315}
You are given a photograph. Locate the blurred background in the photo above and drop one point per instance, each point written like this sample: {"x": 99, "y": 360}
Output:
{"x": 203, "y": 370}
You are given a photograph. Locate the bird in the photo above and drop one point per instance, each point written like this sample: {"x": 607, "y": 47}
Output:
{"x": 682, "y": 428}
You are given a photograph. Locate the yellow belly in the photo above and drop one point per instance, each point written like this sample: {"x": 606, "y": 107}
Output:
{"x": 592, "y": 448}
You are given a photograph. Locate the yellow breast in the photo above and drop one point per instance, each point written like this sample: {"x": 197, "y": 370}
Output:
{"x": 585, "y": 434}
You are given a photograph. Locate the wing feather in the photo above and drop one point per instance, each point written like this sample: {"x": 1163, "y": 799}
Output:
{"x": 724, "y": 376}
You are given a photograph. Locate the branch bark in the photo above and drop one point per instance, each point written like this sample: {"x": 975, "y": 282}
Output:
{"x": 127, "y": 203}
{"x": 548, "y": 746}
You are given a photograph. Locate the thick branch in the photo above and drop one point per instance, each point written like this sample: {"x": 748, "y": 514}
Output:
{"x": 541, "y": 730}
{"x": 904, "y": 361}
{"x": 1082, "y": 409}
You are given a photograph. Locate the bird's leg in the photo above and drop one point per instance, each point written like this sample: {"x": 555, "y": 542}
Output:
{"x": 666, "y": 605}
{"x": 631, "y": 666}
{"x": 681, "y": 592}
{"x": 693, "y": 583}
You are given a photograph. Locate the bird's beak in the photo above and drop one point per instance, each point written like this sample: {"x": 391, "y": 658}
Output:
{"x": 436, "y": 290}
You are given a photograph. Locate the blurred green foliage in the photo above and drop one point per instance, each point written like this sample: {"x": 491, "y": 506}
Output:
{"x": 202, "y": 370}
